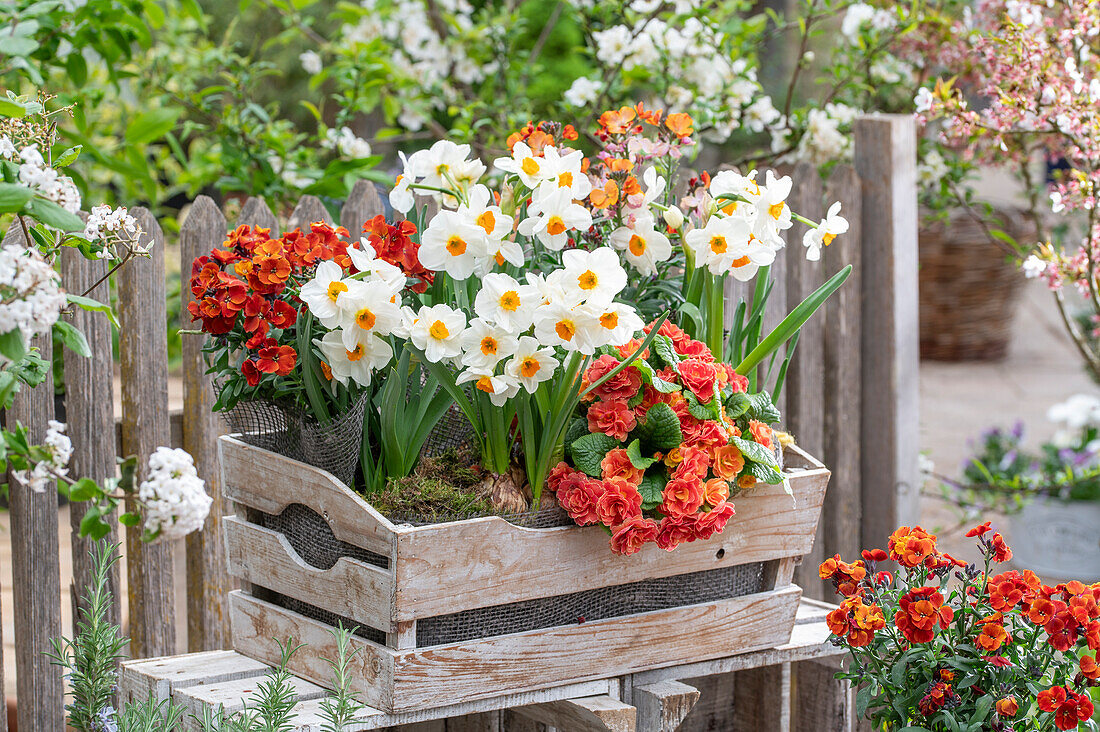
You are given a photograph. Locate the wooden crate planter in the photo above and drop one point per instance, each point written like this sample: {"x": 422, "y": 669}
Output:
{"x": 394, "y": 578}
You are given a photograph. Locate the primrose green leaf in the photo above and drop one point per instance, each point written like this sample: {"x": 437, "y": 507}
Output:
{"x": 634, "y": 452}
{"x": 661, "y": 428}
{"x": 589, "y": 451}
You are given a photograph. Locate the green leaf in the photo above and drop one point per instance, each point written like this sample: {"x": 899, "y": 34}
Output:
{"x": 695, "y": 408}
{"x": 87, "y": 303}
{"x": 589, "y": 451}
{"x": 662, "y": 346}
{"x": 762, "y": 409}
{"x": 577, "y": 428}
{"x": 69, "y": 156}
{"x": 84, "y": 489}
{"x": 12, "y": 346}
{"x": 17, "y": 45}
{"x": 863, "y": 700}
{"x": 129, "y": 519}
{"x": 73, "y": 339}
{"x": 634, "y": 452}
{"x": 793, "y": 322}
{"x": 10, "y": 108}
{"x": 650, "y": 377}
{"x": 151, "y": 125}
{"x": 981, "y": 709}
{"x": 661, "y": 428}
{"x": 50, "y": 214}
{"x": 652, "y": 489}
{"x": 737, "y": 404}
{"x": 754, "y": 451}
{"x": 13, "y": 197}
{"x": 765, "y": 473}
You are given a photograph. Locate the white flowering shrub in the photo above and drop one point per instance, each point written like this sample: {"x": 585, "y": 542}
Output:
{"x": 173, "y": 497}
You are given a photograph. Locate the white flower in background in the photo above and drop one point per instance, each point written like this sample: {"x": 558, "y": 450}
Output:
{"x": 1023, "y": 12}
{"x": 46, "y": 472}
{"x": 642, "y": 246}
{"x": 485, "y": 345}
{"x": 932, "y": 168}
{"x": 322, "y": 294}
{"x": 505, "y": 302}
{"x": 594, "y": 277}
{"x": 557, "y": 323}
{"x": 830, "y": 227}
{"x": 499, "y": 387}
{"x": 294, "y": 177}
{"x": 857, "y": 15}
{"x": 311, "y": 62}
{"x": 31, "y": 298}
{"x": 613, "y": 44}
{"x": 617, "y": 324}
{"x": 1077, "y": 412}
{"x": 582, "y": 92}
{"x": 358, "y": 363}
{"x": 7, "y": 149}
{"x": 173, "y": 495}
{"x": 437, "y": 331}
{"x": 453, "y": 244}
{"x": 760, "y": 114}
{"x": 532, "y": 364}
{"x": 35, "y": 174}
{"x": 674, "y": 217}
{"x": 347, "y": 142}
{"x": 368, "y": 308}
{"x": 1057, "y": 203}
{"x": 553, "y": 213}
{"x": 526, "y": 164}
{"x": 1033, "y": 267}
{"x": 923, "y": 101}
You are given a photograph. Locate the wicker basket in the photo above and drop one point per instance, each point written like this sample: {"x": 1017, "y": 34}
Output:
{"x": 968, "y": 289}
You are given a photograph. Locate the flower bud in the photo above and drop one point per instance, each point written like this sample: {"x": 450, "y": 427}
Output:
{"x": 673, "y": 217}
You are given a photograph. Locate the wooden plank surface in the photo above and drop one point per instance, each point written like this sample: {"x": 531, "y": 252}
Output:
{"x": 843, "y": 511}
{"x": 623, "y": 645}
{"x": 309, "y": 210}
{"x": 143, "y": 356}
{"x": 452, "y": 567}
{"x": 270, "y": 482}
{"x": 35, "y": 562}
{"x": 363, "y": 204}
{"x": 589, "y": 714}
{"x": 805, "y": 385}
{"x": 885, "y": 158}
{"x": 761, "y": 699}
{"x": 207, "y": 580}
{"x": 256, "y": 212}
{"x": 820, "y": 701}
{"x": 351, "y": 589}
{"x": 89, "y": 407}
{"x": 158, "y": 676}
{"x": 662, "y": 706}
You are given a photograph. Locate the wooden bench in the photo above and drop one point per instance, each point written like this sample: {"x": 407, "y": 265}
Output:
{"x": 790, "y": 687}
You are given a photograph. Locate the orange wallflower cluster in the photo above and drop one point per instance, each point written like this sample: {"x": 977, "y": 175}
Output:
{"x": 244, "y": 295}
{"x": 856, "y": 621}
{"x": 919, "y": 612}
{"x": 541, "y": 135}
{"x": 1069, "y": 707}
{"x": 846, "y": 578}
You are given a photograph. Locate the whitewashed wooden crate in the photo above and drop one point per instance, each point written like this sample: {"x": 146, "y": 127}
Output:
{"x": 440, "y": 570}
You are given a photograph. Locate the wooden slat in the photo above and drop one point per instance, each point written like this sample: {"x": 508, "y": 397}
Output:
{"x": 422, "y": 677}
{"x": 435, "y": 572}
{"x": 843, "y": 509}
{"x": 207, "y": 580}
{"x": 143, "y": 355}
{"x": 715, "y": 705}
{"x": 256, "y": 625}
{"x": 233, "y": 695}
{"x": 35, "y": 561}
{"x": 761, "y": 700}
{"x": 89, "y": 407}
{"x": 269, "y": 482}
{"x": 662, "y": 706}
{"x": 255, "y": 212}
{"x": 351, "y": 589}
{"x": 158, "y": 676}
{"x": 820, "y": 701}
{"x": 362, "y": 205}
{"x": 885, "y": 158}
{"x": 805, "y": 416}
{"x": 308, "y": 211}
{"x": 485, "y": 722}
{"x": 513, "y": 722}
{"x": 591, "y": 714}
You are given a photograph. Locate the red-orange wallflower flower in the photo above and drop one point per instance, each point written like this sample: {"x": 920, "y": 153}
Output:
{"x": 856, "y": 621}
{"x": 993, "y": 634}
{"x": 919, "y": 612}
{"x": 616, "y": 122}
{"x": 1089, "y": 668}
{"x": 680, "y": 124}
{"x": 846, "y": 577}
{"x": 911, "y": 547}
{"x": 1007, "y": 707}
{"x": 1000, "y": 550}
{"x": 1069, "y": 708}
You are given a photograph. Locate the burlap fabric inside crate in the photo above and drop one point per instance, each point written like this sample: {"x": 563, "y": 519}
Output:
{"x": 314, "y": 541}
{"x": 288, "y": 430}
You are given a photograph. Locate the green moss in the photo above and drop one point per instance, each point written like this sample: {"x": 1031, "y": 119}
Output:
{"x": 440, "y": 487}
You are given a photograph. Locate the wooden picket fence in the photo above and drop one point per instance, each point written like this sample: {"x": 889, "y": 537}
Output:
{"x": 851, "y": 398}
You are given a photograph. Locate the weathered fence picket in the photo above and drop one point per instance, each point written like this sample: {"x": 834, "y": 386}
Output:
{"x": 35, "y": 561}
{"x": 143, "y": 362}
{"x": 850, "y": 397}
{"x": 208, "y": 583}
{"x": 89, "y": 405}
